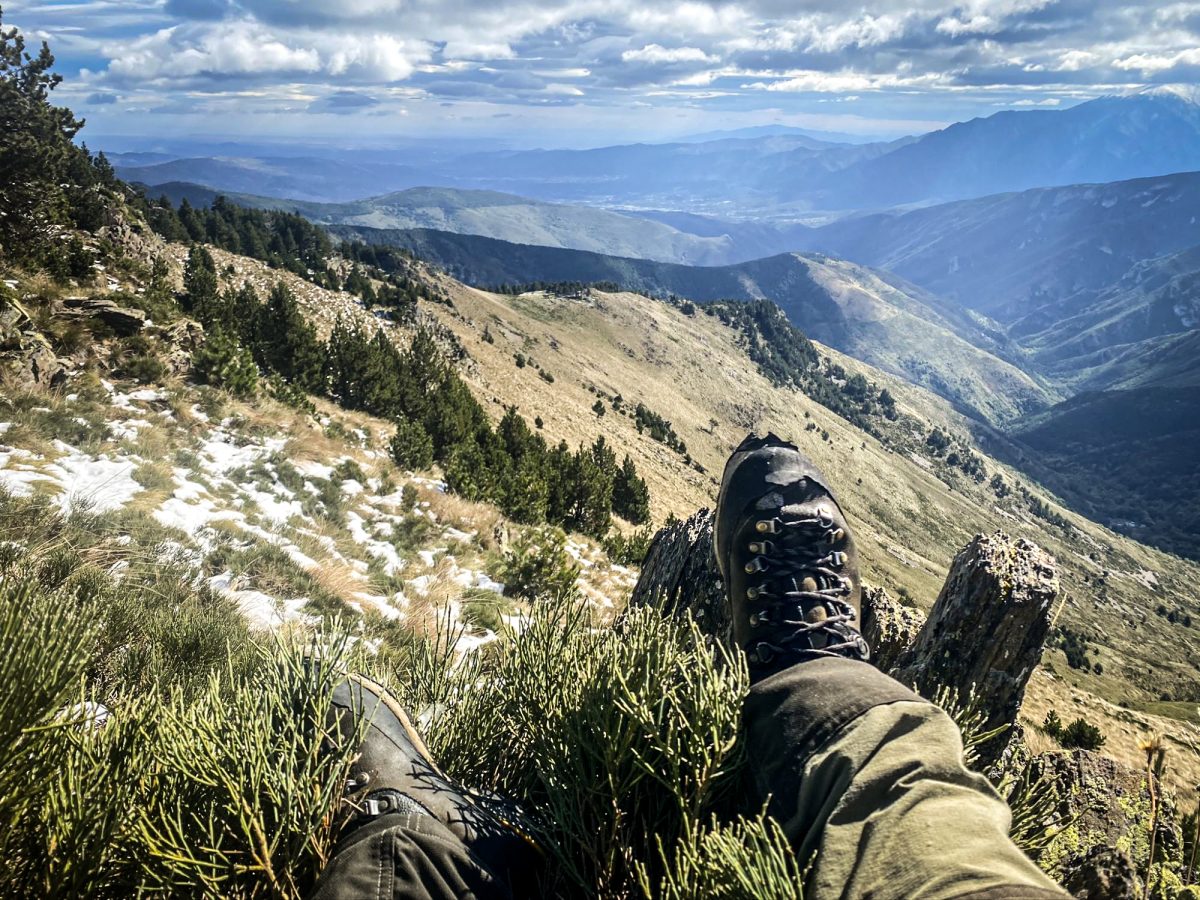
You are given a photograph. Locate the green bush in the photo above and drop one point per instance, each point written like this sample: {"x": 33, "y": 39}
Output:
{"x": 411, "y": 446}
{"x": 224, "y": 363}
{"x": 537, "y": 566}
{"x": 1081, "y": 734}
{"x": 619, "y": 740}
{"x": 137, "y": 757}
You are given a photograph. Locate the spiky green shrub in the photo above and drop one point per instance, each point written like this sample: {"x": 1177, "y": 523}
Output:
{"x": 750, "y": 858}
{"x": 133, "y": 758}
{"x": 618, "y": 738}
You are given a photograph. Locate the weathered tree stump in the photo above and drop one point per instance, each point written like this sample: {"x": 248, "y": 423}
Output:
{"x": 986, "y": 631}
{"x": 981, "y": 642}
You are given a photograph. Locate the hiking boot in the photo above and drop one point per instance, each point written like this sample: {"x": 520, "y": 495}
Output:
{"x": 395, "y": 772}
{"x": 784, "y": 550}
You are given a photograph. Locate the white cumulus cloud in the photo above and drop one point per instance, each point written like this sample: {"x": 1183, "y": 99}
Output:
{"x": 656, "y": 53}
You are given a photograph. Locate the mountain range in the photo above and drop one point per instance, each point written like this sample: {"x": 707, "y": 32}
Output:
{"x": 789, "y": 176}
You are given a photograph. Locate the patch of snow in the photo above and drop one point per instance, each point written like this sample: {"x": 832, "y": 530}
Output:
{"x": 313, "y": 469}
{"x": 351, "y": 488}
{"x": 454, "y": 534}
{"x": 392, "y": 563}
{"x": 4, "y": 426}
{"x": 483, "y": 582}
{"x": 439, "y": 486}
{"x": 127, "y": 429}
{"x": 266, "y": 613}
{"x": 100, "y": 483}
{"x": 89, "y": 712}
{"x": 271, "y": 507}
{"x": 421, "y": 584}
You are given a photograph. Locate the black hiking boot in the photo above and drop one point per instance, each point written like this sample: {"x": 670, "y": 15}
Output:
{"x": 785, "y": 552}
{"x": 395, "y": 772}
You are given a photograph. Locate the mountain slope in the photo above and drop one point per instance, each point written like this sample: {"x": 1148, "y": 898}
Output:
{"x": 853, "y": 309}
{"x": 1012, "y": 255}
{"x": 1155, "y": 299}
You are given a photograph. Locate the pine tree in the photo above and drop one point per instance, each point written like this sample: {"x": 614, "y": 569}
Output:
{"x": 411, "y": 447}
{"x": 224, "y": 363}
{"x": 199, "y": 283}
{"x": 631, "y": 497}
{"x": 284, "y": 342}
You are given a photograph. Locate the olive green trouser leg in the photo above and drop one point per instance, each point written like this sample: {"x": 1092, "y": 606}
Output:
{"x": 406, "y": 855}
{"x": 870, "y": 778}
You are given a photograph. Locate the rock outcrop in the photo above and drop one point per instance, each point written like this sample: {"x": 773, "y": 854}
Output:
{"x": 1104, "y": 804}
{"x": 122, "y": 320}
{"x": 679, "y": 575}
{"x": 889, "y": 627}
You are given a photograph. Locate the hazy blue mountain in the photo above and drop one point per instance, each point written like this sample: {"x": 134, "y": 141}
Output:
{"x": 756, "y": 131}
{"x": 773, "y": 171}
{"x": 871, "y": 315}
{"x": 1153, "y": 132}
{"x": 1047, "y": 251}
{"x": 298, "y": 178}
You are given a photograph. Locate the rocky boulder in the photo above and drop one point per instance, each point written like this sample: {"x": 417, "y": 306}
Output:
{"x": 1104, "y": 805}
{"x": 122, "y": 320}
{"x": 889, "y": 627}
{"x": 986, "y": 632}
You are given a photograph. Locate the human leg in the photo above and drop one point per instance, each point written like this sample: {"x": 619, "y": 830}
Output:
{"x": 858, "y": 769}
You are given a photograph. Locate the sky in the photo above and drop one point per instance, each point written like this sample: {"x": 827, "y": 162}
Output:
{"x": 559, "y": 73}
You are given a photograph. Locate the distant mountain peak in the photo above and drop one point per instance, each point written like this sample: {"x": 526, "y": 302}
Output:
{"x": 1189, "y": 93}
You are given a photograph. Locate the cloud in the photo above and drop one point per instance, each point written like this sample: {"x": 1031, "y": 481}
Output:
{"x": 656, "y": 53}
{"x": 102, "y": 98}
{"x": 938, "y": 59}
{"x": 1154, "y": 63}
{"x": 185, "y": 52}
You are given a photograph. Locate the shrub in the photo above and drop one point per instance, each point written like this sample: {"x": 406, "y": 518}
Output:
{"x": 631, "y": 550}
{"x": 1053, "y": 725}
{"x": 412, "y": 447}
{"x": 537, "y": 566}
{"x": 622, "y": 739}
{"x": 224, "y": 363}
{"x": 1081, "y": 734}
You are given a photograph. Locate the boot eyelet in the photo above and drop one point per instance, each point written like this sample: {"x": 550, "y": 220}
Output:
{"x": 838, "y": 559}
{"x": 824, "y": 516}
{"x": 752, "y": 592}
{"x": 761, "y": 547}
{"x": 763, "y": 653}
{"x": 767, "y": 526}
{"x": 758, "y": 564}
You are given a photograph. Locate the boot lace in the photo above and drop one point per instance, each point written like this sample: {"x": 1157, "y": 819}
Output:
{"x": 789, "y": 553}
